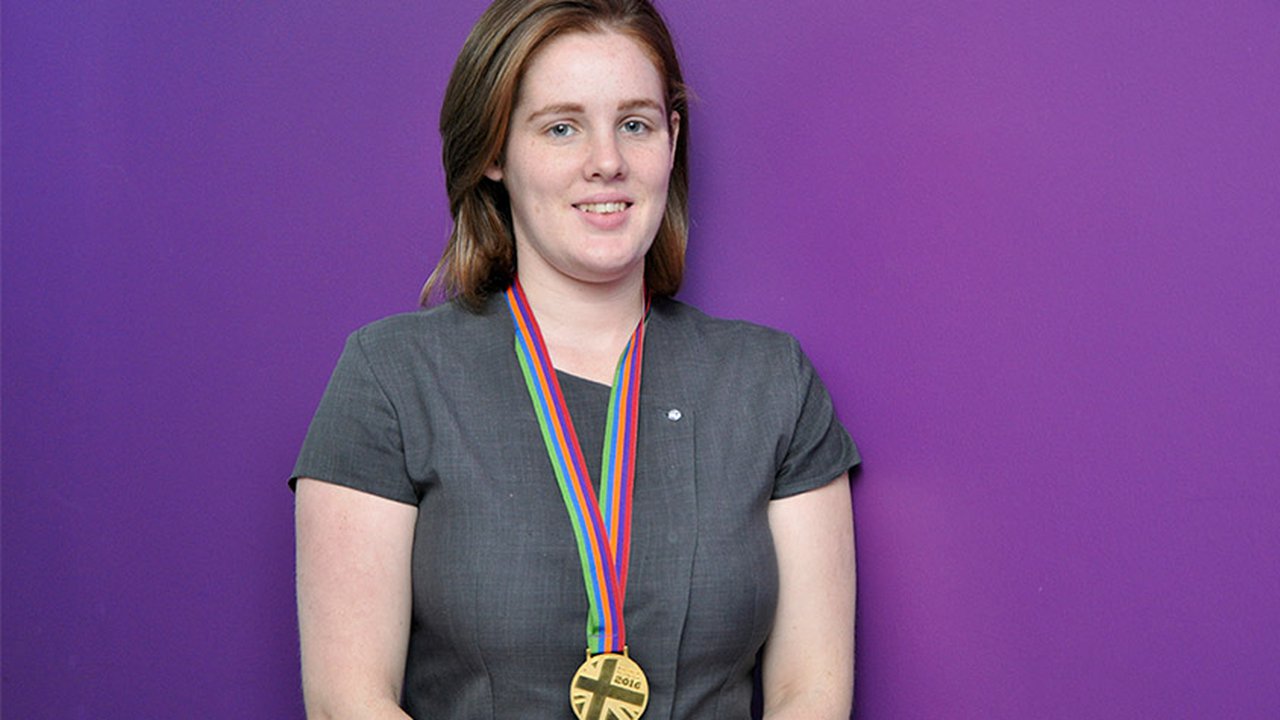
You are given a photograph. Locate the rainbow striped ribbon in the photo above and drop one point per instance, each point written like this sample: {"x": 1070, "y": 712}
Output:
{"x": 602, "y": 527}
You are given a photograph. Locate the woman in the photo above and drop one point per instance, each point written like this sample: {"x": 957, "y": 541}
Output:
{"x": 567, "y": 458}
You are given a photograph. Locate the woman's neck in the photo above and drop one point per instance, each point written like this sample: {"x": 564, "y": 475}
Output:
{"x": 586, "y": 326}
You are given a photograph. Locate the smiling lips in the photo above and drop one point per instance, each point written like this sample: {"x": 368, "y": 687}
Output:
{"x": 606, "y": 216}
{"x": 604, "y": 208}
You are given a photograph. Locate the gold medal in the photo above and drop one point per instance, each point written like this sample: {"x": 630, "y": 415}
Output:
{"x": 607, "y": 686}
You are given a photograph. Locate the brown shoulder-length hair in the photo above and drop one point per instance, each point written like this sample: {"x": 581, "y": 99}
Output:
{"x": 480, "y": 259}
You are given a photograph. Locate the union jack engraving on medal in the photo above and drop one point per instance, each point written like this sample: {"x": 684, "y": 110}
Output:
{"x": 609, "y": 686}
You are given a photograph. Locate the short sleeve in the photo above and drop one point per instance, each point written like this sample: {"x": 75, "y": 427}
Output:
{"x": 355, "y": 438}
{"x": 820, "y": 449}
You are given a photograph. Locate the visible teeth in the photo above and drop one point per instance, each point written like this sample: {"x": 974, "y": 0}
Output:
{"x": 603, "y": 208}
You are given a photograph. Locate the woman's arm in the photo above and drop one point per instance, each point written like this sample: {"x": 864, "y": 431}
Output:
{"x": 808, "y": 659}
{"x": 354, "y": 600}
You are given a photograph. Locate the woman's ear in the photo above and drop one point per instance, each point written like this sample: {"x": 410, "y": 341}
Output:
{"x": 494, "y": 172}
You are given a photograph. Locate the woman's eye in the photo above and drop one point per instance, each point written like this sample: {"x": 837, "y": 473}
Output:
{"x": 560, "y": 130}
{"x": 634, "y": 127}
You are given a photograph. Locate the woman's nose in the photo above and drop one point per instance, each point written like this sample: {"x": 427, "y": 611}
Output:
{"x": 606, "y": 161}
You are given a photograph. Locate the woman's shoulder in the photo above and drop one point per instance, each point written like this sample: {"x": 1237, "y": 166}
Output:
{"x": 400, "y": 325}
{"x": 718, "y": 333}
{"x": 727, "y": 350}
{"x": 444, "y": 328}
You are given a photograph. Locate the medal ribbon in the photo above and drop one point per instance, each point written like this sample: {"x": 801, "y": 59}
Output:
{"x": 601, "y": 527}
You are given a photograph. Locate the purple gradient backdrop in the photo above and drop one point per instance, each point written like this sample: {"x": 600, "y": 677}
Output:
{"x": 1033, "y": 248}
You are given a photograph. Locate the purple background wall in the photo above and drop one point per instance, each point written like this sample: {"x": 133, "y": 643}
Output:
{"x": 1033, "y": 248}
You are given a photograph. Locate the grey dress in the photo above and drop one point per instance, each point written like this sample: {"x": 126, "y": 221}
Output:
{"x": 430, "y": 409}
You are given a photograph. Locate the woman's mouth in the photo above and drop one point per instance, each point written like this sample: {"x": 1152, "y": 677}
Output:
{"x": 603, "y": 208}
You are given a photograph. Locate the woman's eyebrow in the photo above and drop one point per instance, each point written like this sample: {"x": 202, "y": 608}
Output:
{"x": 557, "y": 109}
{"x": 639, "y": 104}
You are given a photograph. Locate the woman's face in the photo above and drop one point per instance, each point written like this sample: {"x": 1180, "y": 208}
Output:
{"x": 588, "y": 156}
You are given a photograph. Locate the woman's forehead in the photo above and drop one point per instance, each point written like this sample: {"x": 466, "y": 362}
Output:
{"x": 591, "y": 69}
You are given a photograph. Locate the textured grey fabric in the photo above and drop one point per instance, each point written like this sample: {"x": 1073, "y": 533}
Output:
{"x": 588, "y": 404}
{"x": 429, "y": 408}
